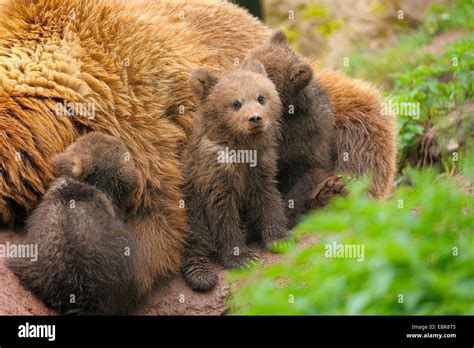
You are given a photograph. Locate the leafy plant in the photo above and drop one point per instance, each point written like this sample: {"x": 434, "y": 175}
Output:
{"x": 442, "y": 17}
{"x": 418, "y": 257}
{"x": 437, "y": 88}
{"x": 408, "y": 53}
{"x": 435, "y": 84}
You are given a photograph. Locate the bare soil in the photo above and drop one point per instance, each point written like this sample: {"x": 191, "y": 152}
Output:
{"x": 172, "y": 297}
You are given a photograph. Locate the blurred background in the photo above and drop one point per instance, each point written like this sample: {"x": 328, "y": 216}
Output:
{"x": 332, "y": 29}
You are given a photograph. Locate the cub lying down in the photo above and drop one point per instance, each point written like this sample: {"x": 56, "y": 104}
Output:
{"x": 79, "y": 228}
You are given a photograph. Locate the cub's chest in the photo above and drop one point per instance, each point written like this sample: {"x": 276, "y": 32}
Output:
{"x": 236, "y": 167}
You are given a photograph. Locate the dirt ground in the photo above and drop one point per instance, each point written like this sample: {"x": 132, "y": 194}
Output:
{"x": 173, "y": 297}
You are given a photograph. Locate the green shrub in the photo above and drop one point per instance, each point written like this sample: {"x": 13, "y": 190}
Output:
{"x": 377, "y": 66}
{"x": 408, "y": 53}
{"x": 438, "y": 88}
{"x": 458, "y": 14}
{"x": 418, "y": 257}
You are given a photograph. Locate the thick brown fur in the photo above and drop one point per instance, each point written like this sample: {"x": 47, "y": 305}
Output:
{"x": 132, "y": 61}
{"x": 230, "y": 202}
{"x": 365, "y": 139}
{"x": 306, "y": 150}
{"x": 83, "y": 212}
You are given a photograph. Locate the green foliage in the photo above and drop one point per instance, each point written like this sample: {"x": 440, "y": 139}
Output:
{"x": 408, "y": 52}
{"x": 436, "y": 82}
{"x": 315, "y": 10}
{"x": 437, "y": 88}
{"x": 328, "y": 28}
{"x": 377, "y": 66}
{"x": 319, "y": 19}
{"x": 442, "y": 18}
{"x": 418, "y": 257}
{"x": 326, "y": 24}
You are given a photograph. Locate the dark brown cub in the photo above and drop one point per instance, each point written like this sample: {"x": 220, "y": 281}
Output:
{"x": 85, "y": 251}
{"x": 306, "y": 152}
{"x": 230, "y": 171}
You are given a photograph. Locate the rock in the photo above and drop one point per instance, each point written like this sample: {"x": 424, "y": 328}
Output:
{"x": 453, "y": 145}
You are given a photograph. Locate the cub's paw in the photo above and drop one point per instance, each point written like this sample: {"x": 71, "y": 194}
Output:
{"x": 237, "y": 257}
{"x": 274, "y": 236}
{"x": 199, "y": 275}
{"x": 323, "y": 193}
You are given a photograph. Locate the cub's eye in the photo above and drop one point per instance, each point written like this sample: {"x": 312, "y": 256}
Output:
{"x": 261, "y": 99}
{"x": 236, "y": 105}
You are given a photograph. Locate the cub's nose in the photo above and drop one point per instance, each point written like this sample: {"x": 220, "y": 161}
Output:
{"x": 255, "y": 119}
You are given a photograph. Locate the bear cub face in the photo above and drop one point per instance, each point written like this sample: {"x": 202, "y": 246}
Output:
{"x": 231, "y": 204}
{"x": 290, "y": 74}
{"x": 239, "y": 104}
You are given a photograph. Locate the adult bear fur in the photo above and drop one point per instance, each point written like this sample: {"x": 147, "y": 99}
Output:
{"x": 132, "y": 61}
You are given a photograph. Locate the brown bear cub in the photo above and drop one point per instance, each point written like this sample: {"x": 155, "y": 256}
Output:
{"x": 306, "y": 152}
{"x": 82, "y": 215}
{"x": 230, "y": 167}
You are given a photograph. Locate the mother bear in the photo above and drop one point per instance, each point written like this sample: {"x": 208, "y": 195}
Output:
{"x": 122, "y": 68}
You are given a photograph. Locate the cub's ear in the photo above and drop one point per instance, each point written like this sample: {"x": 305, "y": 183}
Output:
{"x": 255, "y": 66}
{"x": 201, "y": 82}
{"x": 279, "y": 37}
{"x": 69, "y": 166}
{"x": 301, "y": 75}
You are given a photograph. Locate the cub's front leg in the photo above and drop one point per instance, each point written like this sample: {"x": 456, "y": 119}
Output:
{"x": 268, "y": 215}
{"x": 313, "y": 190}
{"x": 197, "y": 269}
{"x": 229, "y": 239}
